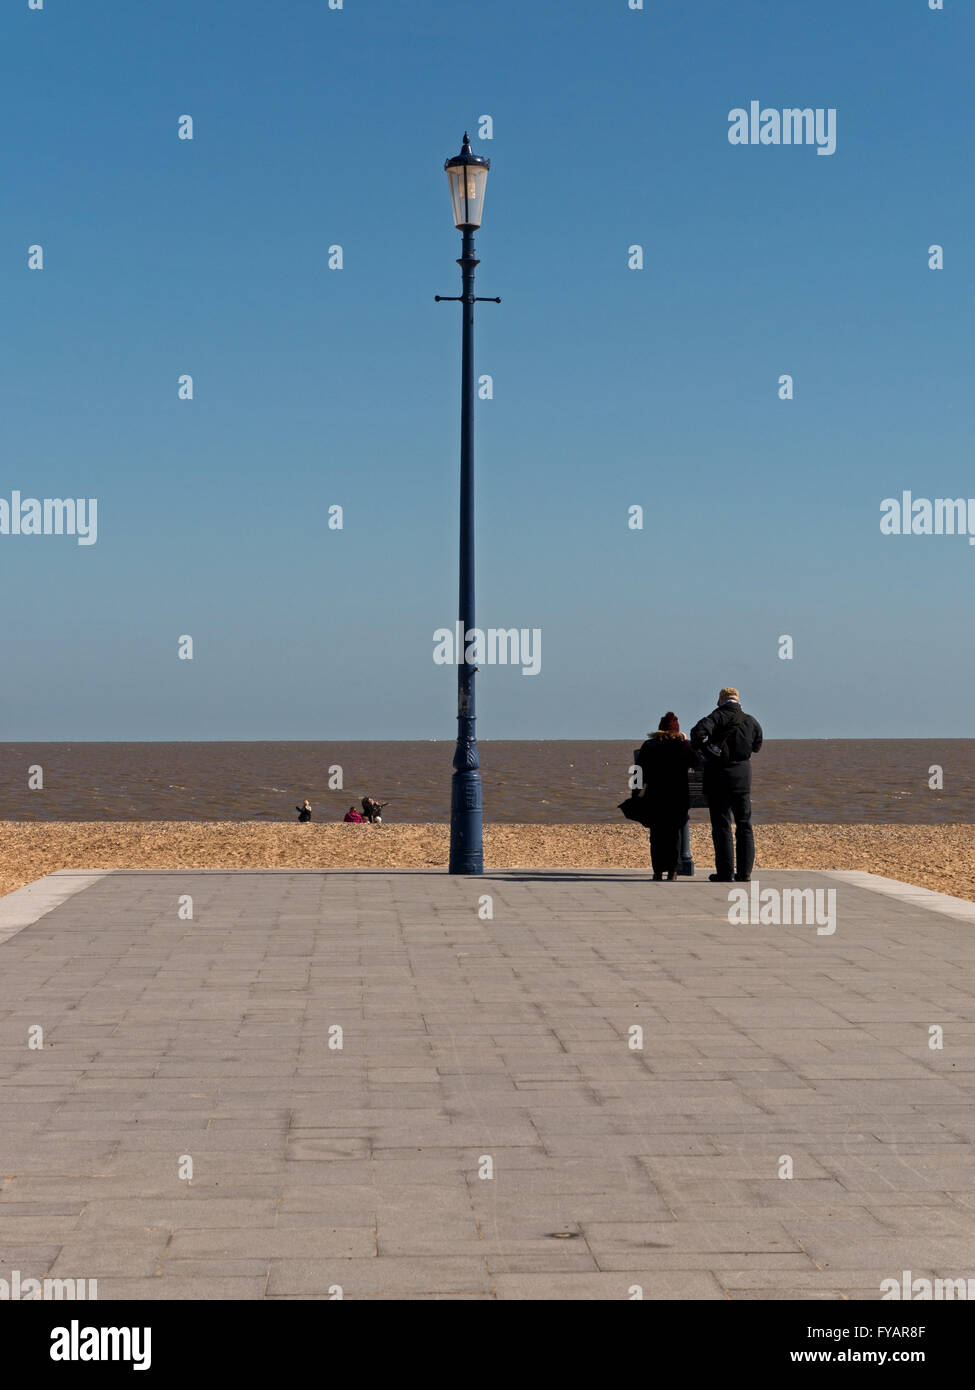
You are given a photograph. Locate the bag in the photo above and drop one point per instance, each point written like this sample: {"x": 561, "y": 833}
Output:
{"x": 719, "y": 754}
{"x": 635, "y": 808}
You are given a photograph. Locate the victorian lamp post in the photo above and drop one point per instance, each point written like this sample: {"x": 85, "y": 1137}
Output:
{"x": 466, "y": 178}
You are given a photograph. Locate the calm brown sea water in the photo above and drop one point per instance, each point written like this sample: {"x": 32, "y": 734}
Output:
{"x": 833, "y": 780}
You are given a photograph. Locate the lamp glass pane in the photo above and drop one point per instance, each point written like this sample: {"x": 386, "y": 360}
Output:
{"x": 467, "y": 183}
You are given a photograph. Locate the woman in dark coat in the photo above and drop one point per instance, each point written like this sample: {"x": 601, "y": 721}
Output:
{"x": 664, "y": 760}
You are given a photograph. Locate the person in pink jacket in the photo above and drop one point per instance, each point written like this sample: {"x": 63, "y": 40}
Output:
{"x": 353, "y": 815}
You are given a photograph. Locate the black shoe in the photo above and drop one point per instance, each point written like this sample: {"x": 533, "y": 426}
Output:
{"x": 719, "y": 878}
{"x": 672, "y": 876}
{"x": 658, "y": 878}
{"x": 743, "y": 878}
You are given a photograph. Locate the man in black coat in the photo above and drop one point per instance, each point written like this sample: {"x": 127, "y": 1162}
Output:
{"x": 728, "y": 737}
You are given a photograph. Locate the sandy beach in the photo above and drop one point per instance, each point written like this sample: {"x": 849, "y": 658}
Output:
{"x": 940, "y": 857}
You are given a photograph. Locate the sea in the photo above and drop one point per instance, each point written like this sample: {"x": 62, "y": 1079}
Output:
{"x": 560, "y": 781}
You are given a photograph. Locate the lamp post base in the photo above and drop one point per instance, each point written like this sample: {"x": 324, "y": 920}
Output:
{"x": 685, "y": 865}
{"x": 466, "y": 852}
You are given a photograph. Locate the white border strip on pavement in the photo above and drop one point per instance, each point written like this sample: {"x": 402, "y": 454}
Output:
{"x": 909, "y": 893}
{"x": 28, "y": 904}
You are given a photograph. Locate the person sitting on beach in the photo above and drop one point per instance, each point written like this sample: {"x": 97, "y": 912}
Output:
{"x": 371, "y": 809}
{"x": 664, "y": 760}
{"x": 304, "y": 812}
{"x": 353, "y": 815}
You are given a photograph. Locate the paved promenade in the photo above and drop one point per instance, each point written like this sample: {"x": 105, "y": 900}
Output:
{"x": 486, "y": 1129}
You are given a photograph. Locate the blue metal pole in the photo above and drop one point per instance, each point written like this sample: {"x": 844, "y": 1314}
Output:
{"x": 686, "y": 863}
{"x": 466, "y": 852}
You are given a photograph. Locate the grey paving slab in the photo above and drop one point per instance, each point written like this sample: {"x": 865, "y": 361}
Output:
{"x": 351, "y": 1080}
{"x": 28, "y": 904}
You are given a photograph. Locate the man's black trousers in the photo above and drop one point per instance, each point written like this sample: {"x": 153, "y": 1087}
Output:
{"x": 728, "y": 791}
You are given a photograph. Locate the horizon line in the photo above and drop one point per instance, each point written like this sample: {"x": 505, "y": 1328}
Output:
{"x": 450, "y": 742}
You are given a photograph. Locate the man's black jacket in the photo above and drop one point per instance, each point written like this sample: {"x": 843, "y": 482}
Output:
{"x": 718, "y": 728}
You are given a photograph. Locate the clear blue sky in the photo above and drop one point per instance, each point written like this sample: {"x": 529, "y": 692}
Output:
{"x": 612, "y": 387}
